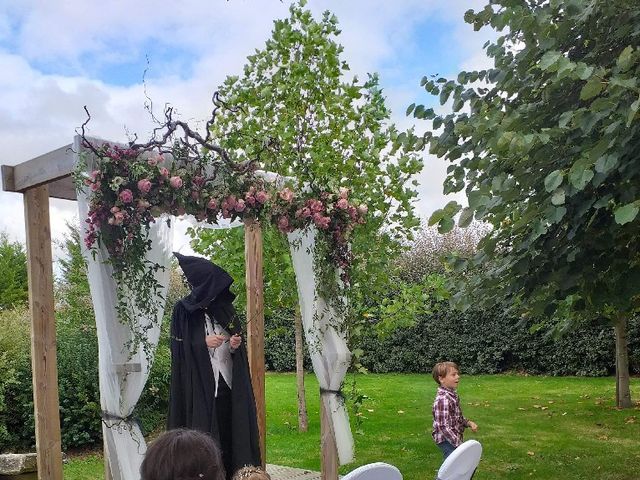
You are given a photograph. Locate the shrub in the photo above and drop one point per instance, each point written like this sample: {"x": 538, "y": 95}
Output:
{"x": 493, "y": 342}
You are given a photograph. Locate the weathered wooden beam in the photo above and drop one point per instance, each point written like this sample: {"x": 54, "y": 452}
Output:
{"x": 255, "y": 322}
{"x": 43, "y": 333}
{"x": 329, "y": 451}
{"x": 41, "y": 170}
{"x": 63, "y": 187}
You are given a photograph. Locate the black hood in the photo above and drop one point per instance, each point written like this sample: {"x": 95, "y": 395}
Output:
{"x": 209, "y": 283}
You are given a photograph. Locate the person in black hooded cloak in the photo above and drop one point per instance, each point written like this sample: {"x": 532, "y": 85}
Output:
{"x": 210, "y": 380}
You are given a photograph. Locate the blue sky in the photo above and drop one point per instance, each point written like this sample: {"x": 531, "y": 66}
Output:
{"x": 59, "y": 55}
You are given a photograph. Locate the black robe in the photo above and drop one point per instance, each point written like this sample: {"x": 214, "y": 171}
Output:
{"x": 192, "y": 402}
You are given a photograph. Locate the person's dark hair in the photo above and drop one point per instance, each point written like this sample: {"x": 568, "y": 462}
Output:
{"x": 183, "y": 454}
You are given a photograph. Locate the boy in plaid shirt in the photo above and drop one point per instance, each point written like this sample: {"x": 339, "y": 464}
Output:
{"x": 448, "y": 422}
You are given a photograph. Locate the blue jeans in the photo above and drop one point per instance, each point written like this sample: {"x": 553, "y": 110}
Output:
{"x": 446, "y": 449}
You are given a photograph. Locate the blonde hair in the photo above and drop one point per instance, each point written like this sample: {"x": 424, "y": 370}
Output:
{"x": 251, "y": 473}
{"x": 441, "y": 369}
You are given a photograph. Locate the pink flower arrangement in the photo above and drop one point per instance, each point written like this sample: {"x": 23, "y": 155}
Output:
{"x": 118, "y": 209}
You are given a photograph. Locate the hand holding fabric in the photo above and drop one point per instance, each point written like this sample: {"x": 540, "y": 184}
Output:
{"x": 235, "y": 341}
{"x": 214, "y": 341}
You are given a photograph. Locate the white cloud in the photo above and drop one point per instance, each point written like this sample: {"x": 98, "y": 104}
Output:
{"x": 40, "y": 112}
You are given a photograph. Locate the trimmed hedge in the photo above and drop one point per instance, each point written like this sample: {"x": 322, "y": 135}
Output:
{"x": 492, "y": 342}
{"x": 480, "y": 342}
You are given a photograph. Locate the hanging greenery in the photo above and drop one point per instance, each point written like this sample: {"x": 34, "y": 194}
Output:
{"x": 131, "y": 187}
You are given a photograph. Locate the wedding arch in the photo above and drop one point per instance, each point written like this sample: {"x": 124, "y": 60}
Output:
{"x": 126, "y": 347}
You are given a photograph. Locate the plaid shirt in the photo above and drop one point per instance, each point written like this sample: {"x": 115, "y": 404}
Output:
{"x": 448, "y": 422}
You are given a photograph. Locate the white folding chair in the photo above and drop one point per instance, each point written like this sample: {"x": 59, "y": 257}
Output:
{"x": 462, "y": 462}
{"x": 374, "y": 471}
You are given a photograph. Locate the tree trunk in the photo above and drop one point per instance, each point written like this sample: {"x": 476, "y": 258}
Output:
{"x": 303, "y": 423}
{"x": 623, "y": 392}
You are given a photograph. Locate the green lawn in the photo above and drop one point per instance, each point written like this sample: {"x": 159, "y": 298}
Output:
{"x": 530, "y": 427}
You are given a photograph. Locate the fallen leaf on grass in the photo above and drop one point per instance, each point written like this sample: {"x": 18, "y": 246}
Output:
{"x": 400, "y": 411}
{"x": 630, "y": 420}
{"x": 530, "y": 453}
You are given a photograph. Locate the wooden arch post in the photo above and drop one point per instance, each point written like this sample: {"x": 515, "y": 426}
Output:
{"x": 255, "y": 322}
{"x": 38, "y": 180}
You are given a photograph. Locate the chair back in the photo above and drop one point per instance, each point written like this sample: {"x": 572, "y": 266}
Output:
{"x": 462, "y": 462}
{"x": 374, "y": 471}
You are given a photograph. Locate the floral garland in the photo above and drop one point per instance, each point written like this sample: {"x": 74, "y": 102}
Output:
{"x": 131, "y": 187}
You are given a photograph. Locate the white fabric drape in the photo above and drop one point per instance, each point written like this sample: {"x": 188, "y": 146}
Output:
{"x": 122, "y": 375}
{"x": 327, "y": 346}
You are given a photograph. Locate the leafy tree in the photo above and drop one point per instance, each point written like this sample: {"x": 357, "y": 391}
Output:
{"x": 545, "y": 146}
{"x": 294, "y": 110}
{"x": 14, "y": 286}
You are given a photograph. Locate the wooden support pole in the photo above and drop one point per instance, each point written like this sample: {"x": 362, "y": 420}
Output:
{"x": 43, "y": 333}
{"x": 329, "y": 465}
{"x": 255, "y": 322}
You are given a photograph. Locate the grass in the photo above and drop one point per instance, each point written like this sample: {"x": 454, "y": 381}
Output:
{"x": 530, "y": 427}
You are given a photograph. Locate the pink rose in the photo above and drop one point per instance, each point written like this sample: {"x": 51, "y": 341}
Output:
{"x": 262, "y": 196}
{"x": 117, "y": 219}
{"x": 353, "y": 213}
{"x": 342, "y": 204}
{"x": 164, "y": 172}
{"x": 315, "y": 205}
{"x": 95, "y": 187}
{"x": 231, "y": 202}
{"x": 344, "y": 192}
{"x": 175, "y": 181}
{"x": 321, "y": 221}
{"x": 286, "y": 194}
{"x": 126, "y": 196}
{"x": 198, "y": 180}
{"x": 153, "y": 161}
{"x": 114, "y": 209}
{"x": 283, "y": 224}
{"x": 250, "y": 200}
{"x": 212, "y": 204}
{"x": 143, "y": 204}
{"x": 144, "y": 185}
{"x": 240, "y": 206}
{"x": 363, "y": 209}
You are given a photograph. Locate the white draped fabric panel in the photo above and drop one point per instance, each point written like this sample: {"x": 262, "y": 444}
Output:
{"x": 123, "y": 376}
{"x": 327, "y": 347}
